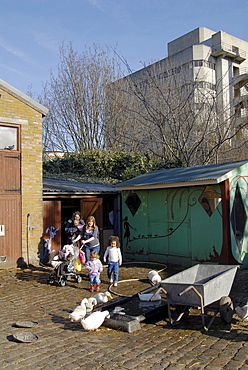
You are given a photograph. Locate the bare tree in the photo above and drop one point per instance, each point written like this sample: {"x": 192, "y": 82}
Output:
{"x": 76, "y": 98}
{"x": 163, "y": 109}
{"x": 178, "y": 116}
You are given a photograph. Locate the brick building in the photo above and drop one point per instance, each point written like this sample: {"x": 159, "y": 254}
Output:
{"x": 21, "y": 202}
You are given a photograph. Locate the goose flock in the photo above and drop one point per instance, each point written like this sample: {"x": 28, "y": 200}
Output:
{"x": 83, "y": 313}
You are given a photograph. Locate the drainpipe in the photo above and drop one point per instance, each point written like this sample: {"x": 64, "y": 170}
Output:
{"x": 28, "y": 231}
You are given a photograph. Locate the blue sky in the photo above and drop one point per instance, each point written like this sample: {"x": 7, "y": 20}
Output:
{"x": 31, "y": 31}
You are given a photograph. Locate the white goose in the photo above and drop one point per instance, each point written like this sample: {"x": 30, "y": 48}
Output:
{"x": 79, "y": 312}
{"x": 92, "y": 302}
{"x": 102, "y": 297}
{"x": 94, "y": 321}
{"x": 154, "y": 277}
{"x": 242, "y": 312}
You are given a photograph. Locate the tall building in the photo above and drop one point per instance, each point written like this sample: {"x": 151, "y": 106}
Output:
{"x": 219, "y": 63}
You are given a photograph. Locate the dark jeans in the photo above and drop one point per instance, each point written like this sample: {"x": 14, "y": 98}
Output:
{"x": 87, "y": 251}
{"x": 113, "y": 267}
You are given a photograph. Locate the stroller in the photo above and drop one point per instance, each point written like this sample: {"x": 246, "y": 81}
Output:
{"x": 64, "y": 269}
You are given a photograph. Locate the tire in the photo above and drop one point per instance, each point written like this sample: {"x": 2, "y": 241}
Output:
{"x": 62, "y": 282}
{"x": 226, "y": 309}
{"x": 50, "y": 281}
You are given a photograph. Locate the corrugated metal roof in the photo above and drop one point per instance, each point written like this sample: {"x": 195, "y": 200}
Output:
{"x": 51, "y": 186}
{"x": 185, "y": 176}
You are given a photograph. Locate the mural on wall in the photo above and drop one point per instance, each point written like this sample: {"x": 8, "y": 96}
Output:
{"x": 127, "y": 228}
{"x": 177, "y": 204}
{"x": 238, "y": 217}
{"x": 209, "y": 200}
{"x": 133, "y": 208}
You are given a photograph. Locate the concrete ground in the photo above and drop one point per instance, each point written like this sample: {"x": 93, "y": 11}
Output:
{"x": 25, "y": 295}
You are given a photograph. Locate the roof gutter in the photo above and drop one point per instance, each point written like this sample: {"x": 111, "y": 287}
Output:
{"x": 169, "y": 185}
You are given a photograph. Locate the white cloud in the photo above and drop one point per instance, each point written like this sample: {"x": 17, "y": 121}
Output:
{"x": 13, "y": 70}
{"x": 97, "y": 3}
{"x": 46, "y": 41}
{"x": 15, "y": 51}
{"x": 118, "y": 10}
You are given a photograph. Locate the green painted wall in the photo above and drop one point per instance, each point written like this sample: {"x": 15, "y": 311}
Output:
{"x": 171, "y": 225}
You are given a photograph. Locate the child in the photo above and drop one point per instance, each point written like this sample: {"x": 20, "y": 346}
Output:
{"x": 113, "y": 253}
{"x": 94, "y": 266}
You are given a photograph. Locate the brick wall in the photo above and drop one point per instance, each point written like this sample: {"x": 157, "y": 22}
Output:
{"x": 16, "y": 111}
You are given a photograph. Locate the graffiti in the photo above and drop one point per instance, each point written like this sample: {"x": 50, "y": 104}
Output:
{"x": 238, "y": 213}
{"x": 209, "y": 200}
{"x": 127, "y": 228}
{"x": 139, "y": 252}
{"x": 237, "y": 179}
{"x": 190, "y": 202}
{"x": 51, "y": 231}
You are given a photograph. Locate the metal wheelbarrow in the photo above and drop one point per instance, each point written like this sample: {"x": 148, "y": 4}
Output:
{"x": 200, "y": 286}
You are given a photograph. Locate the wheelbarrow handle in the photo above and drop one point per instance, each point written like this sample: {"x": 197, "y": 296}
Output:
{"x": 196, "y": 291}
{"x": 186, "y": 290}
{"x": 189, "y": 288}
{"x": 157, "y": 292}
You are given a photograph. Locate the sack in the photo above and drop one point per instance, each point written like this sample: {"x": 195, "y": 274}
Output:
{"x": 82, "y": 256}
{"x": 78, "y": 266}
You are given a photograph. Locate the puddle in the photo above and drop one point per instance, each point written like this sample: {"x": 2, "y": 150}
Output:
{"x": 135, "y": 307}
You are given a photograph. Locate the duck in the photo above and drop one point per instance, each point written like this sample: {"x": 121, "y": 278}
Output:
{"x": 242, "y": 312}
{"x": 79, "y": 312}
{"x": 154, "y": 277}
{"x": 94, "y": 320}
{"x": 92, "y": 302}
{"x": 102, "y": 297}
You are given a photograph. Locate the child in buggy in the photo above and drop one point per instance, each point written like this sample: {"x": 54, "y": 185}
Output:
{"x": 64, "y": 266}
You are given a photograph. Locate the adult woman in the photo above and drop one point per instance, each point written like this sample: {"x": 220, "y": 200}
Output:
{"x": 89, "y": 237}
{"x": 74, "y": 226}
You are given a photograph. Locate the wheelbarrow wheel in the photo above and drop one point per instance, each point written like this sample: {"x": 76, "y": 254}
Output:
{"x": 226, "y": 309}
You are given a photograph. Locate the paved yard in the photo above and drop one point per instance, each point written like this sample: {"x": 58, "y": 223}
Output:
{"x": 61, "y": 344}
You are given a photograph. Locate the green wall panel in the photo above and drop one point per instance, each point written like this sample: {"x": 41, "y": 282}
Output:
{"x": 181, "y": 225}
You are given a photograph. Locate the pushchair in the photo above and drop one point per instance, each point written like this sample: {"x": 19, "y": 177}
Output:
{"x": 64, "y": 269}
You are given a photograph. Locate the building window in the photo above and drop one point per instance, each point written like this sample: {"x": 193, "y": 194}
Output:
{"x": 237, "y": 112}
{"x": 236, "y": 92}
{"x": 198, "y": 63}
{"x": 210, "y": 65}
{"x": 235, "y": 71}
{"x": 235, "y": 49}
{"x": 8, "y": 137}
{"x": 206, "y": 85}
{"x": 203, "y": 63}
